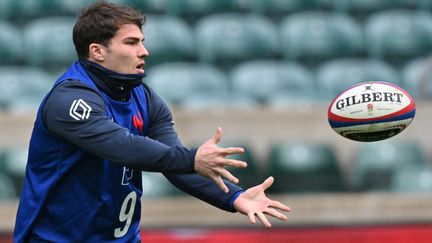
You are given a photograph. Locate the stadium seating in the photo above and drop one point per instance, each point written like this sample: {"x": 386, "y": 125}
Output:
{"x": 10, "y": 44}
{"x": 6, "y": 9}
{"x": 277, "y": 9}
{"x": 263, "y": 80}
{"x": 397, "y": 35}
{"x": 417, "y": 78}
{"x": 14, "y": 160}
{"x": 150, "y": 6}
{"x": 337, "y": 75}
{"x": 28, "y": 9}
{"x": 305, "y": 167}
{"x": 228, "y": 39}
{"x": 7, "y": 191}
{"x": 168, "y": 39}
{"x": 23, "y": 87}
{"x": 410, "y": 4}
{"x": 316, "y": 36}
{"x": 192, "y": 10}
{"x": 176, "y": 81}
{"x": 376, "y": 163}
{"x": 33, "y": 9}
{"x": 49, "y": 41}
{"x": 361, "y": 9}
{"x": 413, "y": 179}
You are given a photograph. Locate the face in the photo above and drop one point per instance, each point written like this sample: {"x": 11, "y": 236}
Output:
{"x": 125, "y": 52}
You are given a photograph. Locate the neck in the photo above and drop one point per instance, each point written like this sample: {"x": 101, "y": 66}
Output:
{"x": 116, "y": 85}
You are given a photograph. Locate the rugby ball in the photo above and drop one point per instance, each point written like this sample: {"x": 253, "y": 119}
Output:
{"x": 371, "y": 111}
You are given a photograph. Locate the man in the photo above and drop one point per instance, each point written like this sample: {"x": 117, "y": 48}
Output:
{"x": 99, "y": 127}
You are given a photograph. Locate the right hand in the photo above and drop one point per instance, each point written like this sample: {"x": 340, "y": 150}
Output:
{"x": 210, "y": 161}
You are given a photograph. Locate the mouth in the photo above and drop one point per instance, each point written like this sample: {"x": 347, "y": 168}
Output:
{"x": 140, "y": 67}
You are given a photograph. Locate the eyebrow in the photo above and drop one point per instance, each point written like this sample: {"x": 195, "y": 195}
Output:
{"x": 133, "y": 39}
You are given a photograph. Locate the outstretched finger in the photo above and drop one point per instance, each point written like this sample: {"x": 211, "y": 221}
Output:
{"x": 276, "y": 214}
{"x": 263, "y": 219}
{"x": 267, "y": 183}
{"x": 227, "y": 175}
{"x": 251, "y": 216}
{"x": 218, "y": 180}
{"x": 235, "y": 163}
{"x": 279, "y": 205}
{"x": 233, "y": 150}
{"x": 218, "y": 135}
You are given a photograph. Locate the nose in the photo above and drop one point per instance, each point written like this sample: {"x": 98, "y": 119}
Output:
{"x": 143, "y": 52}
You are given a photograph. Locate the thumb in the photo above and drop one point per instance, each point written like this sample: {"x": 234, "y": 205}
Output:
{"x": 218, "y": 135}
{"x": 267, "y": 183}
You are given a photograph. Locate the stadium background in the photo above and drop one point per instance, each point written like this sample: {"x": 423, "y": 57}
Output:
{"x": 265, "y": 71}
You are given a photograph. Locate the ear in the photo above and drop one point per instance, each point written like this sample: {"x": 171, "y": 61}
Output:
{"x": 96, "y": 52}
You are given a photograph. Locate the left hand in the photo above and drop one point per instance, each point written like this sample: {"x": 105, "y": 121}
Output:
{"x": 253, "y": 202}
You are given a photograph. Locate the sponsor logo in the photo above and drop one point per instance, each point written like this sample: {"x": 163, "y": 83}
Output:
{"x": 369, "y": 97}
{"x": 367, "y": 88}
{"x": 138, "y": 122}
{"x": 80, "y": 110}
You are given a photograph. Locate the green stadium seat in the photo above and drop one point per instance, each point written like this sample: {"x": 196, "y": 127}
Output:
{"x": 168, "y": 39}
{"x": 277, "y": 9}
{"x": 417, "y": 78}
{"x": 337, "y": 75}
{"x": 6, "y": 9}
{"x": 315, "y": 36}
{"x": 155, "y": 185}
{"x": 23, "y": 87}
{"x": 14, "y": 161}
{"x": 151, "y": 6}
{"x": 376, "y": 163}
{"x": 413, "y": 179}
{"x": 7, "y": 191}
{"x": 228, "y": 39}
{"x": 264, "y": 79}
{"x": 27, "y": 9}
{"x": 413, "y": 4}
{"x": 32, "y": 9}
{"x": 49, "y": 40}
{"x": 304, "y": 168}
{"x": 176, "y": 81}
{"x": 192, "y": 10}
{"x": 361, "y": 9}
{"x": 398, "y": 35}
{"x": 10, "y": 44}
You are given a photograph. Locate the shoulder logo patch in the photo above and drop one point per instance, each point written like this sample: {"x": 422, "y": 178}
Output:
{"x": 80, "y": 110}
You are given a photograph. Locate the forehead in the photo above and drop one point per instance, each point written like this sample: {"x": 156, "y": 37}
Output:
{"x": 128, "y": 31}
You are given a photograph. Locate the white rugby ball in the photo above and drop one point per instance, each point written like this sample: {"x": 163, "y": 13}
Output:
{"x": 371, "y": 111}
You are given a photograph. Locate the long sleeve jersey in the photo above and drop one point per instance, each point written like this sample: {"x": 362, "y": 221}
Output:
{"x": 87, "y": 152}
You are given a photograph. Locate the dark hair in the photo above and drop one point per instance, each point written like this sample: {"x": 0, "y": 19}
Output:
{"x": 99, "y": 22}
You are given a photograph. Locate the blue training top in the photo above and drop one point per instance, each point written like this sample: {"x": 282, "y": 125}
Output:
{"x": 83, "y": 177}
